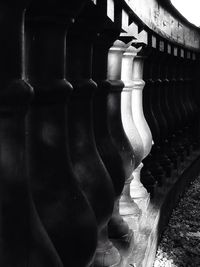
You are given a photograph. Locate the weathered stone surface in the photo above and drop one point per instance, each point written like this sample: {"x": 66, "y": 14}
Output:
{"x": 161, "y": 21}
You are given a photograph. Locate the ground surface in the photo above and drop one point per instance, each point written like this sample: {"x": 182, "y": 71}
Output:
{"x": 180, "y": 243}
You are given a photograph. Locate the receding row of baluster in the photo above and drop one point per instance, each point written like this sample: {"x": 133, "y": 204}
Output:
{"x": 171, "y": 112}
{"x": 69, "y": 137}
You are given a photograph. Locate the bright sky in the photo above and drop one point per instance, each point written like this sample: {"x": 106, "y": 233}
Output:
{"x": 190, "y": 9}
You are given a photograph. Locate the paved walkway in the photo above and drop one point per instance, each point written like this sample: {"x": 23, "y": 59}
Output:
{"x": 180, "y": 244}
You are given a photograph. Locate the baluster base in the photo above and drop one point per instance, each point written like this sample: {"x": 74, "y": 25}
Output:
{"x": 128, "y": 208}
{"x": 118, "y": 229}
{"x": 107, "y": 255}
{"x": 149, "y": 182}
{"x": 138, "y": 192}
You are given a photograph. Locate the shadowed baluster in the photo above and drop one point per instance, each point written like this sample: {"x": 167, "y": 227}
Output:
{"x": 87, "y": 164}
{"x": 169, "y": 148}
{"x": 106, "y": 117}
{"x": 178, "y": 133}
{"x": 180, "y": 101}
{"x": 177, "y": 149}
{"x": 152, "y": 161}
{"x": 15, "y": 96}
{"x": 190, "y": 98}
{"x": 186, "y": 99}
{"x": 158, "y": 113}
{"x": 20, "y": 226}
{"x": 62, "y": 208}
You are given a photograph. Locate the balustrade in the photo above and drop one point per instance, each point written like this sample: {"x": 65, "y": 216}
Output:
{"x": 94, "y": 119}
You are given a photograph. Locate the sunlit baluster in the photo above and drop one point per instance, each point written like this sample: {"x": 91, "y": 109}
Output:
{"x": 127, "y": 205}
{"x": 119, "y": 136}
{"x": 62, "y": 208}
{"x": 138, "y": 192}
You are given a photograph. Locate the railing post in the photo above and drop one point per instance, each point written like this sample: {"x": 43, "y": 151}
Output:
{"x": 15, "y": 96}
{"x": 151, "y": 162}
{"x": 88, "y": 166}
{"x": 170, "y": 150}
{"x": 128, "y": 207}
{"x": 138, "y": 191}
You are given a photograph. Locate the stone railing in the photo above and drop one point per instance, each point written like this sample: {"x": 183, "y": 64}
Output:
{"x": 87, "y": 88}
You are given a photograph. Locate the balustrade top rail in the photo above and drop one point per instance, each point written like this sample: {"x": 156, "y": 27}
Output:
{"x": 141, "y": 16}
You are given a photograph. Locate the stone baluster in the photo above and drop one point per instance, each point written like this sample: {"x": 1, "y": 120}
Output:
{"x": 152, "y": 172}
{"x": 121, "y": 141}
{"x": 92, "y": 175}
{"x": 106, "y": 120}
{"x": 139, "y": 193}
{"x": 187, "y": 100}
{"x": 176, "y": 147}
{"x": 169, "y": 155}
{"x": 127, "y": 205}
{"x": 173, "y": 107}
{"x": 194, "y": 110}
{"x": 159, "y": 114}
{"x": 62, "y": 208}
{"x": 181, "y": 103}
{"x": 166, "y": 110}
{"x": 133, "y": 119}
{"x": 153, "y": 83}
{"x": 15, "y": 96}
{"x": 180, "y": 132}
{"x": 24, "y": 241}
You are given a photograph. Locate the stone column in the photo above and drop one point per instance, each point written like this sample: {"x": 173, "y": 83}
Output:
{"x": 153, "y": 179}
{"x": 120, "y": 138}
{"x": 15, "y": 96}
{"x": 138, "y": 192}
{"x": 127, "y": 205}
{"x": 88, "y": 166}
{"x": 166, "y": 110}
